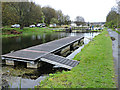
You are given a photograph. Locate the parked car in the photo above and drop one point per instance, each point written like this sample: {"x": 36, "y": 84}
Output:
{"x": 32, "y": 26}
{"x": 15, "y": 26}
{"x": 52, "y": 25}
{"x": 43, "y": 24}
{"x": 39, "y": 25}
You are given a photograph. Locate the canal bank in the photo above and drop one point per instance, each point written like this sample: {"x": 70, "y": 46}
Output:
{"x": 16, "y": 32}
{"x": 95, "y": 70}
{"x": 86, "y": 40}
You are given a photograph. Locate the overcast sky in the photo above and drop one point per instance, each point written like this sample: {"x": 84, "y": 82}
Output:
{"x": 91, "y": 10}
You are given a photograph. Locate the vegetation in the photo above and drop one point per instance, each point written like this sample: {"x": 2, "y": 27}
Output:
{"x": 79, "y": 20}
{"x": 49, "y": 14}
{"x": 95, "y": 70}
{"x": 113, "y": 17}
{"x": 27, "y": 13}
{"x": 97, "y": 30}
{"x": 116, "y": 31}
{"x": 26, "y": 31}
{"x": 23, "y": 13}
{"x": 54, "y": 21}
{"x": 16, "y": 71}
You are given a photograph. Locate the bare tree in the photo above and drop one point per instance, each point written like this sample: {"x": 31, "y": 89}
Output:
{"x": 49, "y": 14}
{"x": 79, "y": 20}
{"x": 118, "y": 7}
{"x": 67, "y": 19}
{"x": 113, "y": 17}
{"x": 60, "y": 17}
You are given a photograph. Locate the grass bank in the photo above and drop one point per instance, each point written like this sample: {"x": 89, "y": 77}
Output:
{"x": 26, "y": 31}
{"x": 116, "y": 31}
{"x": 95, "y": 70}
{"x": 97, "y": 30}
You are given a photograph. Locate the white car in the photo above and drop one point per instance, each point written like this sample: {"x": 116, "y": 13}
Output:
{"x": 39, "y": 25}
{"x": 32, "y": 26}
{"x": 15, "y": 26}
{"x": 43, "y": 24}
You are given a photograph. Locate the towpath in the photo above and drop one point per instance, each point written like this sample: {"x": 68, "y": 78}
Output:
{"x": 116, "y": 52}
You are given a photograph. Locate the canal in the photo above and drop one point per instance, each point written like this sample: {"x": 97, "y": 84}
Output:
{"x": 17, "y": 77}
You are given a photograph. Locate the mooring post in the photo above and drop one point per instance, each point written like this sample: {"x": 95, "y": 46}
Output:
{"x": 71, "y": 47}
{"x": 79, "y": 42}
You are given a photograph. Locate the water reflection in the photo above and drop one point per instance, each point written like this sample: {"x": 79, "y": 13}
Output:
{"x": 17, "y": 43}
{"x": 73, "y": 34}
{"x": 24, "y": 83}
{"x": 33, "y": 37}
{"x": 18, "y": 39}
{"x": 38, "y": 37}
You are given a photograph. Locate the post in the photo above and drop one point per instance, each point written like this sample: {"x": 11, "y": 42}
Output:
{"x": 33, "y": 65}
{"x": 71, "y": 47}
{"x": 79, "y": 42}
{"x": 9, "y": 62}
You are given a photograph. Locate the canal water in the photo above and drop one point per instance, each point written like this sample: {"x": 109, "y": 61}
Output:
{"x": 87, "y": 38}
{"x": 29, "y": 78}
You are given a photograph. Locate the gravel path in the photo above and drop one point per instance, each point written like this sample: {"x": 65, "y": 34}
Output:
{"x": 116, "y": 52}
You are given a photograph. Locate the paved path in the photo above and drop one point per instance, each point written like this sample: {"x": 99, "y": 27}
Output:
{"x": 116, "y": 52}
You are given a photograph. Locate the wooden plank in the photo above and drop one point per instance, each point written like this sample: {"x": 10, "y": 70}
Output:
{"x": 60, "y": 61}
{"x": 56, "y": 63}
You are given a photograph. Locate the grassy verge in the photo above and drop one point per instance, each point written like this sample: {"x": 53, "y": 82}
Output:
{"x": 116, "y": 31}
{"x": 95, "y": 70}
{"x": 58, "y": 30}
{"x": 25, "y": 31}
{"x": 97, "y": 30}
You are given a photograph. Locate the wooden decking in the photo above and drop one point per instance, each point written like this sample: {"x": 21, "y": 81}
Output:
{"x": 59, "y": 61}
{"x": 39, "y": 52}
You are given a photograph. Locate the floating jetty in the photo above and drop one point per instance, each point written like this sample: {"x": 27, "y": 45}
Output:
{"x": 33, "y": 56}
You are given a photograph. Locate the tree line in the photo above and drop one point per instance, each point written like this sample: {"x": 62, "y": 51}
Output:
{"x": 113, "y": 17}
{"x": 27, "y": 13}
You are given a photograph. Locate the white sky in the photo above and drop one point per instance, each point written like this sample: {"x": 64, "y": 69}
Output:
{"x": 91, "y": 10}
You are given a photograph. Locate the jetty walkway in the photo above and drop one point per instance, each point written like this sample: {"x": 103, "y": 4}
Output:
{"x": 46, "y": 53}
